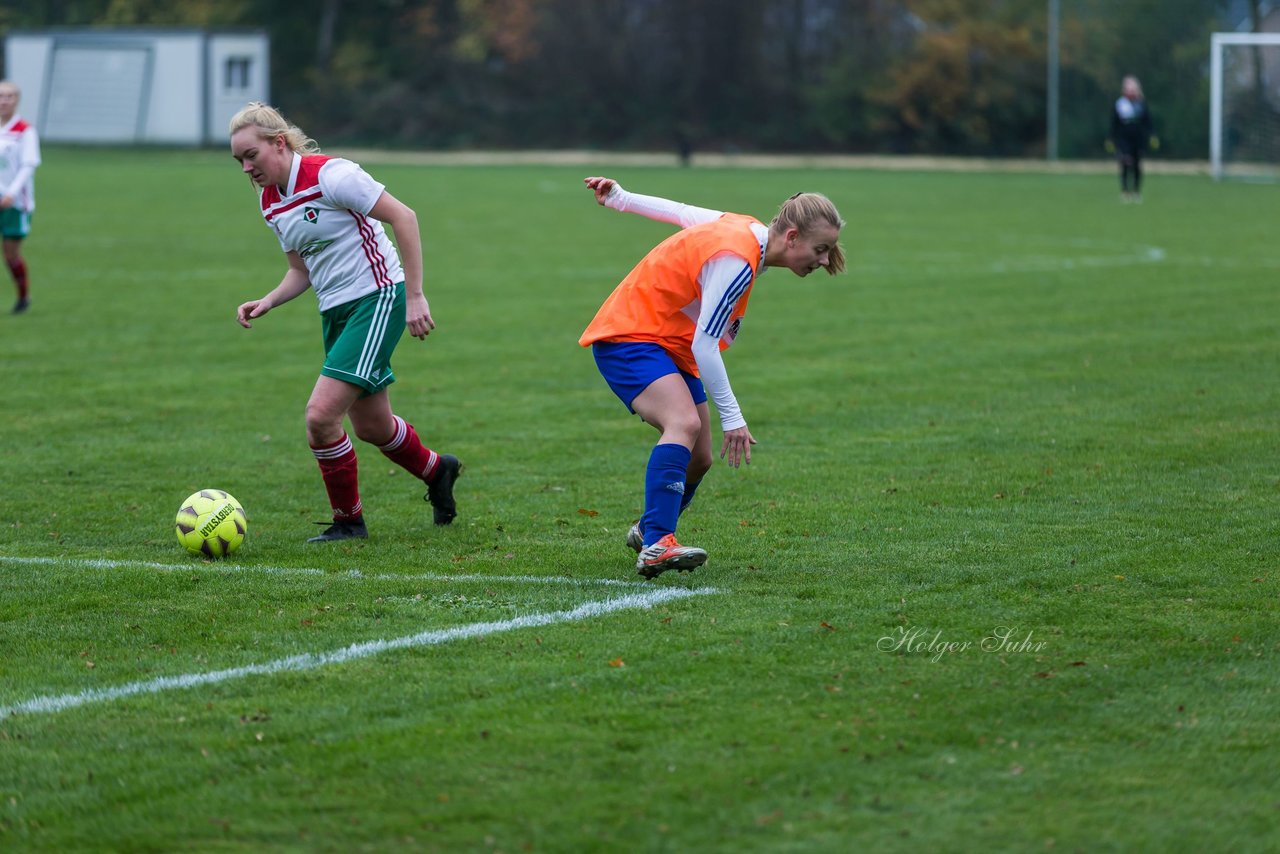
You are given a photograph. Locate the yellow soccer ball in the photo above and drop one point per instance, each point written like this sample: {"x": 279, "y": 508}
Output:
{"x": 211, "y": 523}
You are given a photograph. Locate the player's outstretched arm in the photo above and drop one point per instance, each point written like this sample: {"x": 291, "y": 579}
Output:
{"x": 610, "y": 193}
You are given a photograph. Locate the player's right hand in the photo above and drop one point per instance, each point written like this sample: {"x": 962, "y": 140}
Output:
{"x": 601, "y": 187}
{"x": 251, "y": 309}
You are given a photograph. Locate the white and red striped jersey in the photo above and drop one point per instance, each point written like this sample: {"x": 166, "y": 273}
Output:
{"x": 323, "y": 216}
{"x": 19, "y": 157}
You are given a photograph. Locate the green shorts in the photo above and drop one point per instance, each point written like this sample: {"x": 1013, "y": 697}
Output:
{"x": 360, "y": 336}
{"x": 14, "y": 224}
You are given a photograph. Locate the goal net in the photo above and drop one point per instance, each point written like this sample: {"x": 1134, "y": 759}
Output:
{"x": 1244, "y": 106}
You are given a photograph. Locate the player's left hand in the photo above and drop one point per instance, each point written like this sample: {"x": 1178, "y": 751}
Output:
{"x": 737, "y": 446}
{"x": 417, "y": 318}
{"x": 6, "y": 202}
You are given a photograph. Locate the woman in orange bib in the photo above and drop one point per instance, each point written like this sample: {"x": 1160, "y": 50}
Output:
{"x": 658, "y": 337}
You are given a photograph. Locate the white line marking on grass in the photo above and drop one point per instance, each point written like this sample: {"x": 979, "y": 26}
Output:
{"x": 1047, "y": 262}
{"x": 232, "y": 568}
{"x": 311, "y": 661}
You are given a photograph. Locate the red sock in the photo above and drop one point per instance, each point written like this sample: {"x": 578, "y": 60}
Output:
{"x": 338, "y": 468}
{"x": 19, "y": 271}
{"x": 406, "y": 450}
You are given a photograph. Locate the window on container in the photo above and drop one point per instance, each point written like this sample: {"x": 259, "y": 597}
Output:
{"x": 236, "y": 73}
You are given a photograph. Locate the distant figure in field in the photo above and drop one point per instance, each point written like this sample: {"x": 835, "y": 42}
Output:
{"x": 19, "y": 157}
{"x": 1130, "y": 137}
{"x": 328, "y": 215}
{"x": 657, "y": 340}
{"x": 684, "y": 144}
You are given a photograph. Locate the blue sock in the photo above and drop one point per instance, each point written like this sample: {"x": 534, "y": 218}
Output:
{"x": 687, "y": 498}
{"x": 663, "y": 489}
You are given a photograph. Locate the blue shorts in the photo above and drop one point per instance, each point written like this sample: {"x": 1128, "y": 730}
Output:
{"x": 629, "y": 367}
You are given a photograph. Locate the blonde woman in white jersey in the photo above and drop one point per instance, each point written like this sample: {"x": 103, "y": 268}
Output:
{"x": 19, "y": 157}
{"x": 328, "y": 214}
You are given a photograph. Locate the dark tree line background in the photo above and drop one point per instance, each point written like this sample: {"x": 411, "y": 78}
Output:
{"x": 903, "y": 76}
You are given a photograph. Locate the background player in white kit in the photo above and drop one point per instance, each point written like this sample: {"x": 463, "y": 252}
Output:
{"x": 19, "y": 157}
{"x": 328, "y": 215}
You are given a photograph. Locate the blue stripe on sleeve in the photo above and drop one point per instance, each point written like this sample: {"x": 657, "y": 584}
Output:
{"x": 715, "y": 326}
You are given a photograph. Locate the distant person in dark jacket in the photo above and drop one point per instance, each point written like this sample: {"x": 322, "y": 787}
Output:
{"x": 1130, "y": 137}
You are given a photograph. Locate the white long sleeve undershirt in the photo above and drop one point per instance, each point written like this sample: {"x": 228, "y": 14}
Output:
{"x": 23, "y": 156}
{"x": 21, "y": 181}
{"x": 724, "y": 277}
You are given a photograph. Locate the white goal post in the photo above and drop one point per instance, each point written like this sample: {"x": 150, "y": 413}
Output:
{"x": 1244, "y": 105}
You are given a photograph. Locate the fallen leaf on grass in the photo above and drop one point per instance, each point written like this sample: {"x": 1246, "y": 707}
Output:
{"x": 827, "y": 626}
{"x": 617, "y": 662}
{"x": 586, "y": 512}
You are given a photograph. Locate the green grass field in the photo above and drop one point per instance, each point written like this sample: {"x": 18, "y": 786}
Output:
{"x": 1002, "y": 575}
